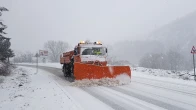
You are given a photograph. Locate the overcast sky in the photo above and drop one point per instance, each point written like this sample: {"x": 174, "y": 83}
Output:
{"x": 33, "y": 22}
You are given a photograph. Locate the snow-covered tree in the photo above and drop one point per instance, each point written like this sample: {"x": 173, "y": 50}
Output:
{"x": 175, "y": 60}
{"x": 155, "y": 61}
{"x": 55, "y": 49}
{"x": 171, "y": 60}
{"x": 5, "y": 51}
{"x": 26, "y": 57}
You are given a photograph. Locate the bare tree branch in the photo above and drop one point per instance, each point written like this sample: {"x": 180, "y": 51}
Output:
{"x": 55, "y": 49}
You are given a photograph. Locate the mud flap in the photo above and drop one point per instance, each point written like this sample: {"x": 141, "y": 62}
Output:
{"x": 88, "y": 71}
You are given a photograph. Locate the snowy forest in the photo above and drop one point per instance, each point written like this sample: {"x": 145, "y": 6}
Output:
{"x": 167, "y": 48}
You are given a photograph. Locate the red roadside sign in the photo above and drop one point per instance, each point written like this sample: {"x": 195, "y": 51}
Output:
{"x": 43, "y": 53}
{"x": 193, "y": 51}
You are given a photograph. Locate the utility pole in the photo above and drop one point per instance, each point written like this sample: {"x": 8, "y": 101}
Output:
{"x": 194, "y": 66}
{"x": 193, "y": 51}
{"x": 37, "y": 62}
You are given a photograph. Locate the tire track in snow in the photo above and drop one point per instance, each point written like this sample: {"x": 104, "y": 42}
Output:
{"x": 103, "y": 99}
{"x": 68, "y": 96}
{"x": 64, "y": 92}
{"x": 57, "y": 73}
{"x": 147, "y": 99}
{"x": 173, "y": 83}
{"x": 162, "y": 95}
{"x": 139, "y": 104}
{"x": 179, "y": 91}
{"x": 184, "y": 88}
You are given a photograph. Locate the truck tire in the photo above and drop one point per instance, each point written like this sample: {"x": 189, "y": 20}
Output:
{"x": 72, "y": 70}
{"x": 65, "y": 70}
{"x": 72, "y": 67}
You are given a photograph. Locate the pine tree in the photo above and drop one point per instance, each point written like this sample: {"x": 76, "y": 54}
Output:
{"x": 5, "y": 51}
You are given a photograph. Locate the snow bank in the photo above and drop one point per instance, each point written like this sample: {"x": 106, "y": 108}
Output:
{"x": 10, "y": 89}
{"x": 2, "y": 68}
{"x": 119, "y": 80}
{"x": 5, "y": 68}
{"x": 122, "y": 79}
{"x": 185, "y": 75}
{"x": 55, "y": 65}
{"x": 26, "y": 90}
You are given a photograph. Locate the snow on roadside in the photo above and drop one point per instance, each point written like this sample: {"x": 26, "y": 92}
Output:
{"x": 55, "y": 65}
{"x": 185, "y": 75}
{"x": 138, "y": 71}
{"x": 122, "y": 79}
{"x": 24, "y": 89}
{"x": 119, "y": 80}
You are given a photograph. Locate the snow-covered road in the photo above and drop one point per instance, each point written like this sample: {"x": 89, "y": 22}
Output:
{"x": 142, "y": 93}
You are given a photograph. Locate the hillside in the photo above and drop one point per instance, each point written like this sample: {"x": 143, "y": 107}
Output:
{"x": 180, "y": 34}
{"x": 133, "y": 51}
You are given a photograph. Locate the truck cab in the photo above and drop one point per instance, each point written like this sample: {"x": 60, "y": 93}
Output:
{"x": 91, "y": 52}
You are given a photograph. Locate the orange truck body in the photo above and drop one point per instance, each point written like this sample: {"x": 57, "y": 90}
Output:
{"x": 73, "y": 65}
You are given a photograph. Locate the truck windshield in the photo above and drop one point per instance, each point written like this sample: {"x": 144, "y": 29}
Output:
{"x": 93, "y": 51}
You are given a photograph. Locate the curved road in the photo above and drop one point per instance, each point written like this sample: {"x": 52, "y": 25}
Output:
{"x": 141, "y": 94}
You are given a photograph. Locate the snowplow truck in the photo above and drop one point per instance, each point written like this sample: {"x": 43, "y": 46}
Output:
{"x": 88, "y": 61}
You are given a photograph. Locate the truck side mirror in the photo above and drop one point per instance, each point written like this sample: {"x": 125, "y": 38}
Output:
{"x": 106, "y": 50}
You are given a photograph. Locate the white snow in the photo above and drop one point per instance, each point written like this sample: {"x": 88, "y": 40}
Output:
{"x": 132, "y": 101}
{"x": 182, "y": 77}
{"x": 140, "y": 71}
{"x": 122, "y": 79}
{"x": 26, "y": 89}
{"x": 168, "y": 74}
{"x": 49, "y": 91}
{"x": 55, "y": 65}
{"x": 119, "y": 80}
{"x": 111, "y": 69}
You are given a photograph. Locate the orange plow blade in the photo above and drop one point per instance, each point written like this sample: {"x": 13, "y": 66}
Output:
{"x": 87, "y": 71}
